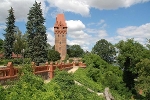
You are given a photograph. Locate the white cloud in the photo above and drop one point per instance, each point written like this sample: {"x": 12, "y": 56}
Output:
{"x": 102, "y": 33}
{"x": 75, "y": 25}
{"x": 101, "y": 24}
{"x": 21, "y": 8}
{"x": 76, "y": 6}
{"x": 50, "y": 38}
{"x": 83, "y": 6}
{"x": 142, "y": 31}
{"x": 139, "y": 33}
{"x": 113, "y": 4}
{"x": 76, "y": 34}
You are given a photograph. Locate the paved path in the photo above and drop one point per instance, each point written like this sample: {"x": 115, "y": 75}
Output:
{"x": 73, "y": 69}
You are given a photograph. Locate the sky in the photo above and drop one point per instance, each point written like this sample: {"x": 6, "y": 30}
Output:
{"x": 88, "y": 21}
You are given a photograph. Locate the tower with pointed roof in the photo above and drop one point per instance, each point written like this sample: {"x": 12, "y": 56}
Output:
{"x": 60, "y": 31}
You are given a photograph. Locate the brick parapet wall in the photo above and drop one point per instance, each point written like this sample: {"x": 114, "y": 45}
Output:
{"x": 46, "y": 71}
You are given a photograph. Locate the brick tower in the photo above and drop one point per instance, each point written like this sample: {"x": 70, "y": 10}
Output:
{"x": 60, "y": 31}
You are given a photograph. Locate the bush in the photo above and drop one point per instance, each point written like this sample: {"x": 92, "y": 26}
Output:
{"x": 81, "y": 76}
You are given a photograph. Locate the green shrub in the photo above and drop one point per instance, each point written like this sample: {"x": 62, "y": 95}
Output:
{"x": 81, "y": 76}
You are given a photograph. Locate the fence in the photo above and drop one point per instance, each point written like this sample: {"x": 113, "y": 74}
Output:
{"x": 45, "y": 71}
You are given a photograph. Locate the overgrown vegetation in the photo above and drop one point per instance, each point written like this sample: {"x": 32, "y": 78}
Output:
{"x": 106, "y": 75}
{"x": 126, "y": 80}
{"x": 31, "y": 87}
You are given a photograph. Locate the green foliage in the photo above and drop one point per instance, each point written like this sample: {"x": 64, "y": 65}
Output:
{"x": 148, "y": 44}
{"x": 130, "y": 53}
{"x": 28, "y": 87}
{"x": 53, "y": 55}
{"x": 105, "y": 50}
{"x": 19, "y": 43}
{"x": 37, "y": 39}
{"x": 75, "y": 51}
{"x": 2, "y": 91}
{"x": 64, "y": 80}
{"x": 9, "y": 35}
{"x": 117, "y": 96}
{"x": 107, "y": 75}
{"x": 16, "y": 61}
{"x": 143, "y": 81}
{"x": 1, "y": 45}
{"x": 94, "y": 61}
{"x": 81, "y": 76}
{"x": 66, "y": 58}
{"x": 71, "y": 91}
{"x": 53, "y": 91}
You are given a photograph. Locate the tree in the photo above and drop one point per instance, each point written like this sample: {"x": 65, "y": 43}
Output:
{"x": 105, "y": 50}
{"x": 53, "y": 55}
{"x": 37, "y": 39}
{"x": 75, "y": 51}
{"x": 143, "y": 81}
{"x": 106, "y": 74}
{"x": 130, "y": 53}
{"x": 148, "y": 44}
{"x": 9, "y": 35}
{"x": 1, "y": 45}
{"x": 19, "y": 43}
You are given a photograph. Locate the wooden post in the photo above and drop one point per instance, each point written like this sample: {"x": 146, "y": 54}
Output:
{"x": 80, "y": 64}
{"x": 63, "y": 65}
{"x": 10, "y": 65}
{"x": 46, "y": 64}
{"x": 51, "y": 71}
{"x": 74, "y": 64}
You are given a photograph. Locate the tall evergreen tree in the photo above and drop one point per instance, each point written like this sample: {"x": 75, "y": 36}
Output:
{"x": 9, "y": 35}
{"x": 37, "y": 39}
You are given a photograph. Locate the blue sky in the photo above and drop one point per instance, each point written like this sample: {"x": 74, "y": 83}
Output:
{"x": 88, "y": 20}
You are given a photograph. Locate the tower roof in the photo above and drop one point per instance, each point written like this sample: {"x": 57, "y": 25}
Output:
{"x": 60, "y": 19}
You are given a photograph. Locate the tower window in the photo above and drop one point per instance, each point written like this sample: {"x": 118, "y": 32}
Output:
{"x": 58, "y": 35}
{"x": 62, "y": 35}
{"x": 60, "y": 42}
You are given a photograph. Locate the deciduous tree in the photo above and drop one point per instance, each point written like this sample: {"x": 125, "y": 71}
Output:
{"x": 53, "y": 55}
{"x": 143, "y": 82}
{"x": 130, "y": 53}
{"x": 105, "y": 50}
{"x": 19, "y": 43}
{"x": 75, "y": 51}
